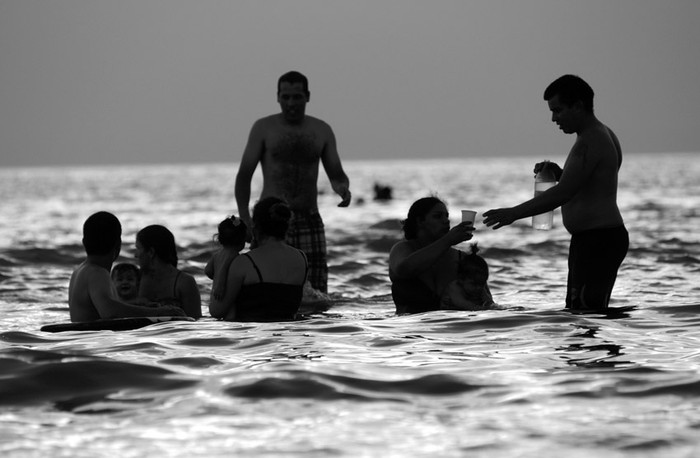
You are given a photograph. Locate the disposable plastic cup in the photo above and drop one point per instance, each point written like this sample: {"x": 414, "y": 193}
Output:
{"x": 468, "y": 216}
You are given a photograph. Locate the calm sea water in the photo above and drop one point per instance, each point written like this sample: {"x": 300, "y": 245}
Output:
{"x": 356, "y": 380}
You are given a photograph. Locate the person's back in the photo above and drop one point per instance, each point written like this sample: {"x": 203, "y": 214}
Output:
{"x": 273, "y": 285}
{"x": 265, "y": 284}
{"x": 80, "y": 303}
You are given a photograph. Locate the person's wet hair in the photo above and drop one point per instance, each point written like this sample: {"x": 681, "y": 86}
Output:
{"x": 416, "y": 213}
{"x": 102, "y": 231}
{"x": 571, "y": 89}
{"x": 161, "y": 240}
{"x": 271, "y": 217}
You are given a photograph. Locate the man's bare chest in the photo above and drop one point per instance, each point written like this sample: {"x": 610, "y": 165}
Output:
{"x": 294, "y": 147}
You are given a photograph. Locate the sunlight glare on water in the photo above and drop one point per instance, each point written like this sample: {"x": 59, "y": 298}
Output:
{"x": 527, "y": 379}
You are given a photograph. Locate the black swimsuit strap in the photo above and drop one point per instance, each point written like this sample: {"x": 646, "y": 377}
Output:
{"x": 254, "y": 265}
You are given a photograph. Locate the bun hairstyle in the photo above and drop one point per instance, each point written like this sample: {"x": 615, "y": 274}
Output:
{"x": 271, "y": 217}
{"x": 474, "y": 266}
{"x": 232, "y": 232}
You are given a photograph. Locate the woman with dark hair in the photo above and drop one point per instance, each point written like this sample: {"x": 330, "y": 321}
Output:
{"x": 422, "y": 265}
{"x": 161, "y": 280}
{"x": 266, "y": 283}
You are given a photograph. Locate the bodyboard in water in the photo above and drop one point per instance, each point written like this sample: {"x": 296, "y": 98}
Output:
{"x": 114, "y": 324}
{"x": 610, "y": 312}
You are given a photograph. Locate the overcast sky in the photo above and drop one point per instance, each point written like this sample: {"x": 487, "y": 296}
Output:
{"x": 148, "y": 81}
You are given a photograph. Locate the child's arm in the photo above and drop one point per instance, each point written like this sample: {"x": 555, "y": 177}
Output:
{"x": 219, "y": 287}
{"x": 100, "y": 292}
{"x": 225, "y": 306}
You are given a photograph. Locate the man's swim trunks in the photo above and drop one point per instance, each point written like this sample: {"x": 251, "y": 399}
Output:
{"x": 594, "y": 258}
{"x": 307, "y": 233}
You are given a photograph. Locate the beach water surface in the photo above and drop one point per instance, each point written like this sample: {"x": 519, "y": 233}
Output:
{"x": 528, "y": 379}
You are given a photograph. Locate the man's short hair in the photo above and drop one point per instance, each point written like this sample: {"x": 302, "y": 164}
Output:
{"x": 571, "y": 89}
{"x": 293, "y": 78}
{"x": 102, "y": 231}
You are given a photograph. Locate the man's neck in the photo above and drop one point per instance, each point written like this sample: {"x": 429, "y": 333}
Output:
{"x": 104, "y": 261}
{"x": 587, "y": 123}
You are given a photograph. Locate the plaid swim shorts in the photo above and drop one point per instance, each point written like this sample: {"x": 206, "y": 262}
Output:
{"x": 307, "y": 233}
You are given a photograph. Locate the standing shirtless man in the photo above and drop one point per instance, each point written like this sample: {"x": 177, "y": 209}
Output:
{"x": 289, "y": 146}
{"x": 587, "y": 194}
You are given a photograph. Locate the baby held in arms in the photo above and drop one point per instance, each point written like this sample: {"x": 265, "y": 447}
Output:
{"x": 126, "y": 278}
{"x": 231, "y": 238}
{"x": 469, "y": 291}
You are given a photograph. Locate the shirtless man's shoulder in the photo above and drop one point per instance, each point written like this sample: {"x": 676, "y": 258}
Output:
{"x": 86, "y": 278}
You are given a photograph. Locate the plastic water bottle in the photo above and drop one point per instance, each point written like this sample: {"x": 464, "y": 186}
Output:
{"x": 544, "y": 180}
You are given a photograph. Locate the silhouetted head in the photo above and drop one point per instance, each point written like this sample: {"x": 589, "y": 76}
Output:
{"x": 126, "y": 278}
{"x": 473, "y": 267}
{"x": 571, "y": 89}
{"x": 102, "y": 232}
{"x": 232, "y": 232}
{"x": 417, "y": 213}
{"x": 293, "y": 77}
{"x": 159, "y": 239}
{"x": 271, "y": 218}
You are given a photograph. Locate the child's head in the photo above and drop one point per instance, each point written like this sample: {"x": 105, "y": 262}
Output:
{"x": 126, "y": 278}
{"x": 102, "y": 232}
{"x": 473, "y": 271}
{"x": 232, "y": 233}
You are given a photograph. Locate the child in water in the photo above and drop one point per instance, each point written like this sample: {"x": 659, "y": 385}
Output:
{"x": 231, "y": 236}
{"x": 469, "y": 291}
{"x": 126, "y": 278}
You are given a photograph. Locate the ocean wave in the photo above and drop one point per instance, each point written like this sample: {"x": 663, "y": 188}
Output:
{"x": 313, "y": 385}
{"x": 40, "y": 377}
